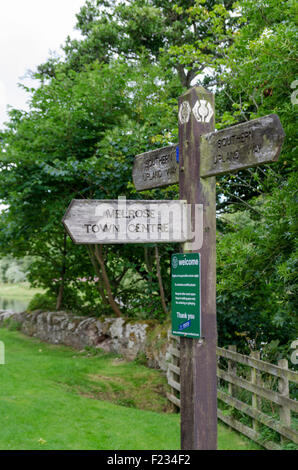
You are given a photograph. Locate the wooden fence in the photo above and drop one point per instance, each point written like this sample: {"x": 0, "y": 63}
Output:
{"x": 254, "y": 396}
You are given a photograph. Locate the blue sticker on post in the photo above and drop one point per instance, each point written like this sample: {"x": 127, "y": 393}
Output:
{"x": 185, "y": 325}
{"x": 177, "y": 154}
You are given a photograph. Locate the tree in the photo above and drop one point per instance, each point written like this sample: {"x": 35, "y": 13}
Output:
{"x": 257, "y": 252}
{"x": 186, "y": 37}
{"x": 257, "y": 271}
{"x": 48, "y": 157}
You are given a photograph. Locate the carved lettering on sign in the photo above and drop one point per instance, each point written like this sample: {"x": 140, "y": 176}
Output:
{"x": 126, "y": 221}
{"x": 244, "y": 145}
{"x": 155, "y": 168}
{"x": 234, "y": 139}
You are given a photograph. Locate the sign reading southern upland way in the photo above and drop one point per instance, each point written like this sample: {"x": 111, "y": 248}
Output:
{"x": 186, "y": 296}
{"x": 156, "y": 168}
{"x": 238, "y": 147}
{"x": 126, "y": 221}
{"x": 245, "y": 145}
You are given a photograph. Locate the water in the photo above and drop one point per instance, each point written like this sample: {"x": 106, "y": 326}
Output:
{"x": 13, "y": 305}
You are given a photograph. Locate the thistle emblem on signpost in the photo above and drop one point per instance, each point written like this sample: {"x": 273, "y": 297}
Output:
{"x": 184, "y": 112}
{"x": 203, "y": 111}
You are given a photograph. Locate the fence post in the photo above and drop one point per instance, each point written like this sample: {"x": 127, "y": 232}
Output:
{"x": 254, "y": 378}
{"x": 283, "y": 388}
{"x": 232, "y": 369}
{"x": 173, "y": 372}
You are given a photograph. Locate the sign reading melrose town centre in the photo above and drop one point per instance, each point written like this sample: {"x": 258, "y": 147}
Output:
{"x": 127, "y": 221}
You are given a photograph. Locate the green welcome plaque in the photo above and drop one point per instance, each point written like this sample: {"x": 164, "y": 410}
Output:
{"x": 186, "y": 295}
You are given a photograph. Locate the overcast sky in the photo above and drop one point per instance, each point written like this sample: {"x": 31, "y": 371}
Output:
{"x": 29, "y": 30}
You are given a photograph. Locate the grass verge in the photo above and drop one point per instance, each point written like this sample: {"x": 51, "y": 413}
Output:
{"x": 53, "y": 397}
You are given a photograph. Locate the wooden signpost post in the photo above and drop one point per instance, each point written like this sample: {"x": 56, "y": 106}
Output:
{"x": 198, "y": 395}
{"x": 201, "y": 155}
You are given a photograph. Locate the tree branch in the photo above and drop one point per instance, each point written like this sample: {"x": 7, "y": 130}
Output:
{"x": 113, "y": 304}
{"x": 161, "y": 289}
{"x": 98, "y": 273}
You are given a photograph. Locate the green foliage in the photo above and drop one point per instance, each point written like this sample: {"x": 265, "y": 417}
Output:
{"x": 258, "y": 72}
{"x": 77, "y": 141}
{"x": 14, "y": 271}
{"x": 141, "y": 359}
{"x": 12, "y": 325}
{"x": 185, "y": 37}
{"x": 80, "y": 144}
{"x": 257, "y": 247}
{"x": 257, "y": 271}
{"x": 44, "y": 301}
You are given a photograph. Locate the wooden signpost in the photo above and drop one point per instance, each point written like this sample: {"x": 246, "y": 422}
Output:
{"x": 203, "y": 154}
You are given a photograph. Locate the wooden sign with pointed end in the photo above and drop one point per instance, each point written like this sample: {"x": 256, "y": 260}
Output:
{"x": 156, "y": 168}
{"x": 242, "y": 146}
{"x": 127, "y": 221}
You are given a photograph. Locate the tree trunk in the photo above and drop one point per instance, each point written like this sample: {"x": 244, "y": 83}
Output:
{"x": 161, "y": 289}
{"x": 113, "y": 304}
{"x": 148, "y": 265}
{"x": 99, "y": 284}
{"x": 63, "y": 271}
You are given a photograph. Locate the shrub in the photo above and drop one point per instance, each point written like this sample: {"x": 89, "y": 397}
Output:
{"x": 44, "y": 301}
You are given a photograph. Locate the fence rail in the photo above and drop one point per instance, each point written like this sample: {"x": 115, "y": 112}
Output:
{"x": 258, "y": 390}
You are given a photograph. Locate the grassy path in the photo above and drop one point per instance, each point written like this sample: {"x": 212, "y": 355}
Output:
{"x": 53, "y": 397}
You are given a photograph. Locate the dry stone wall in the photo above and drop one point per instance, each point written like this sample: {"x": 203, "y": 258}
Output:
{"x": 116, "y": 335}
